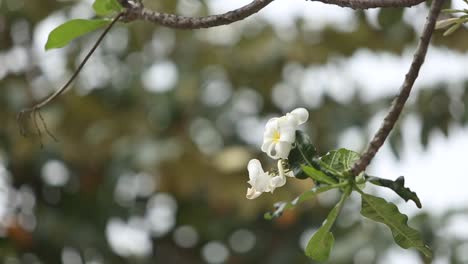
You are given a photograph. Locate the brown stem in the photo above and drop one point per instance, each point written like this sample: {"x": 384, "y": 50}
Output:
{"x": 33, "y": 110}
{"x": 134, "y": 10}
{"x": 405, "y": 90}
{"x": 78, "y": 70}
{"x": 366, "y": 4}
{"x": 138, "y": 12}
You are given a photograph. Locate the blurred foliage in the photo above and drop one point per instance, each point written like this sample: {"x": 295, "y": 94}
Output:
{"x": 189, "y": 139}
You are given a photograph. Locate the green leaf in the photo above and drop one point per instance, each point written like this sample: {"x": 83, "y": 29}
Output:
{"x": 106, "y": 7}
{"x": 447, "y": 22}
{"x": 63, "y": 34}
{"x": 318, "y": 175}
{"x": 339, "y": 161}
{"x": 321, "y": 243}
{"x": 379, "y": 210}
{"x": 281, "y": 206}
{"x": 453, "y": 11}
{"x": 451, "y": 29}
{"x": 302, "y": 153}
{"x": 398, "y": 186}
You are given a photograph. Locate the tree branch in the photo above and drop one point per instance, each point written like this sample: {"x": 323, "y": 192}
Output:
{"x": 139, "y": 12}
{"x": 366, "y": 4}
{"x": 136, "y": 11}
{"x": 400, "y": 100}
{"x": 35, "y": 108}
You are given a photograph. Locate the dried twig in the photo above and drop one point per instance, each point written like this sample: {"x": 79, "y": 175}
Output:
{"x": 44, "y": 124}
{"x": 39, "y": 133}
{"x": 400, "y": 100}
{"x": 33, "y": 111}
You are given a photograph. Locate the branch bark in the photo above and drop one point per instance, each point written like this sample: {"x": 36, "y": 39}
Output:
{"x": 366, "y": 4}
{"x": 405, "y": 90}
{"x": 138, "y": 12}
{"x": 134, "y": 10}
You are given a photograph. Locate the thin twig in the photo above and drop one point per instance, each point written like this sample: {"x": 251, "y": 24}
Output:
{"x": 32, "y": 110}
{"x": 21, "y": 123}
{"x": 39, "y": 133}
{"x": 400, "y": 100}
{"x": 44, "y": 124}
{"x": 80, "y": 67}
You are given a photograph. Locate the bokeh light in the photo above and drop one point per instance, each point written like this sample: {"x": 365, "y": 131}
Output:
{"x": 242, "y": 241}
{"x": 215, "y": 252}
{"x": 155, "y": 133}
{"x": 186, "y": 236}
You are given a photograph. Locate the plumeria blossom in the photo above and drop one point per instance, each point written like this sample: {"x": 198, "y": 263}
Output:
{"x": 262, "y": 181}
{"x": 280, "y": 133}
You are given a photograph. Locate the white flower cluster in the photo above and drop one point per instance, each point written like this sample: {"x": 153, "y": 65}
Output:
{"x": 278, "y": 138}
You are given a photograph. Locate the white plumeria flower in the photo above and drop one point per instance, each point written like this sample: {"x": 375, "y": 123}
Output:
{"x": 280, "y": 133}
{"x": 262, "y": 181}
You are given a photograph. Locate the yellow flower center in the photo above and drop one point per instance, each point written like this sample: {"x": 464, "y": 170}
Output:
{"x": 276, "y": 136}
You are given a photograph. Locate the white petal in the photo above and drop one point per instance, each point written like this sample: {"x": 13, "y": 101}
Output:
{"x": 288, "y": 135}
{"x": 272, "y": 150}
{"x": 271, "y": 125}
{"x": 288, "y": 121}
{"x": 252, "y": 193}
{"x": 266, "y": 145}
{"x": 259, "y": 180}
{"x": 301, "y": 114}
{"x": 269, "y": 134}
{"x": 255, "y": 168}
{"x": 277, "y": 181}
{"x": 283, "y": 149}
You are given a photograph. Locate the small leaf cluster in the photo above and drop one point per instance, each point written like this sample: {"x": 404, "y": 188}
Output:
{"x": 63, "y": 34}
{"x": 454, "y": 23}
{"x": 333, "y": 171}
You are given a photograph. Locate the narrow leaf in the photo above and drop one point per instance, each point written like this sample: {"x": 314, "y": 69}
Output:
{"x": 451, "y": 29}
{"x": 318, "y": 175}
{"x": 398, "y": 186}
{"x": 379, "y": 210}
{"x": 302, "y": 153}
{"x": 453, "y": 11}
{"x": 321, "y": 243}
{"x": 339, "y": 161}
{"x": 106, "y": 7}
{"x": 281, "y": 206}
{"x": 446, "y": 22}
{"x": 63, "y": 34}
